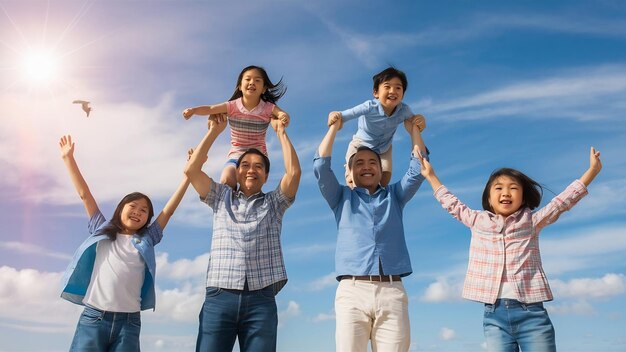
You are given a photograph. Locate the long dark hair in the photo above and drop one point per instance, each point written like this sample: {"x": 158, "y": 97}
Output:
{"x": 273, "y": 91}
{"x": 115, "y": 225}
{"x": 532, "y": 191}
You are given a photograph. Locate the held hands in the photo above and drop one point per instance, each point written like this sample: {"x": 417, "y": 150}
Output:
{"x": 335, "y": 117}
{"x": 67, "y": 146}
{"x": 426, "y": 168}
{"x": 278, "y": 125}
{"x": 217, "y": 124}
{"x": 284, "y": 118}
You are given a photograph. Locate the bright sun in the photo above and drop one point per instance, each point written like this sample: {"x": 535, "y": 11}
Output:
{"x": 40, "y": 67}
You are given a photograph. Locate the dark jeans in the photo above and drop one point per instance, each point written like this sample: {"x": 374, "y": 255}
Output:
{"x": 226, "y": 315}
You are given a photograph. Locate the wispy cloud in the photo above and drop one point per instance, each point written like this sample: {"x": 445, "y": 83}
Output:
{"x": 29, "y": 248}
{"x": 446, "y": 334}
{"x": 323, "y": 282}
{"x": 583, "y": 96}
{"x": 607, "y": 286}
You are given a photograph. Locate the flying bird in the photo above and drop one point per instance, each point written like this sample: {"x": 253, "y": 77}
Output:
{"x": 85, "y": 106}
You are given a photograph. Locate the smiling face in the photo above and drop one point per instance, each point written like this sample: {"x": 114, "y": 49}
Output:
{"x": 251, "y": 174}
{"x": 390, "y": 94}
{"x": 134, "y": 215}
{"x": 506, "y": 195}
{"x": 366, "y": 170}
{"x": 252, "y": 84}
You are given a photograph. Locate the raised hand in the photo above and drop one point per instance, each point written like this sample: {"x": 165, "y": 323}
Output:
{"x": 67, "y": 146}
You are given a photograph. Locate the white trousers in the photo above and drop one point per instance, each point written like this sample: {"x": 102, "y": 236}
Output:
{"x": 370, "y": 310}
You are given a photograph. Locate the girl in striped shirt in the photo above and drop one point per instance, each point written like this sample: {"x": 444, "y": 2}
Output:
{"x": 249, "y": 111}
{"x": 505, "y": 271}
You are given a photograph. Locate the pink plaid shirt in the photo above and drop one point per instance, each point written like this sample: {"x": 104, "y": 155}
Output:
{"x": 508, "y": 248}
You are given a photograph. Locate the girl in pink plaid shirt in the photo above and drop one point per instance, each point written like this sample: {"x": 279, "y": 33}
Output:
{"x": 504, "y": 270}
{"x": 250, "y": 110}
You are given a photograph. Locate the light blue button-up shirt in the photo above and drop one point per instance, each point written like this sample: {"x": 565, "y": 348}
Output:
{"x": 369, "y": 227}
{"x": 376, "y": 129}
{"x": 78, "y": 274}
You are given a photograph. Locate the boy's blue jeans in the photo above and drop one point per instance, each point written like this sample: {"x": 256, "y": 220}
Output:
{"x": 107, "y": 331}
{"x": 510, "y": 325}
{"x": 226, "y": 315}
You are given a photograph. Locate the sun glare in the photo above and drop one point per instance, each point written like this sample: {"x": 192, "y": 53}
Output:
{"x": 40, "y": 67}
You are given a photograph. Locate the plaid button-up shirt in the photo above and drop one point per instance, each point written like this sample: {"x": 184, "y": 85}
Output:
{"x": 246, "y": 239}
{"x": 508, "y": 248}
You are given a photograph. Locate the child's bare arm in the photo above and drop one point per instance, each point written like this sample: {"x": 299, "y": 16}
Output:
{"x": 595, "y": 165}
{"x": 205, "y": 110}
{"x": 281, "y": 115}
{"x": 67, "y": 153}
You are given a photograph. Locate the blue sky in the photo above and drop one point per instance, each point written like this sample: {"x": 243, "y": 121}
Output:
{"x": 529, "y": 85}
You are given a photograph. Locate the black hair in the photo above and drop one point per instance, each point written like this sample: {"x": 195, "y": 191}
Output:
{"x": 387, "y": 74}
{"x": 266, "y": 160}
{"x": 115, "y": 225}
{"x": 273, "y": 91}
{"x": 532, "y": 191}
{"x": 361, "y": 148}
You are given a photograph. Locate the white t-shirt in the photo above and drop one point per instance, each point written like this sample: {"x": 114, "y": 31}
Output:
{"x": 117, "y": 276}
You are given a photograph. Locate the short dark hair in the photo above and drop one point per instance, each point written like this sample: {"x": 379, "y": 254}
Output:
{"x": 266, "y": 160}
{"x": 387, "y": 74}
{"x": 531, "y": 189}
{"x": 361, "y": 148}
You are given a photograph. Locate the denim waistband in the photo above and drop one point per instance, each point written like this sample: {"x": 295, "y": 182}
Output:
{"x": 106, "y": 313}
{"x": 508, "y": 302}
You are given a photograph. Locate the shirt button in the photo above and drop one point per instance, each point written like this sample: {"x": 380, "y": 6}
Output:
{"x": 137, "y": 240}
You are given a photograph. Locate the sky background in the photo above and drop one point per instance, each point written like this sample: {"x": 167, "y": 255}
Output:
{"x": 529, "y": 85}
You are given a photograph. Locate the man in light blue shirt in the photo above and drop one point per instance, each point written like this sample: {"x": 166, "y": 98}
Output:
{"x": 371, "y": 255}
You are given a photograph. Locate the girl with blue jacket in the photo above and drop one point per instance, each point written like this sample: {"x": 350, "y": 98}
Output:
{"x": 113, "y": 272}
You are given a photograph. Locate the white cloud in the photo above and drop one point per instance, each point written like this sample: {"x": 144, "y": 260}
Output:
{"x": 580, "y": 307}
{"x": 28, "y": 248}
{"x": 446, "y": 334}
{"x": 111, "y": 146}
{"x": 443, "y": 290}
{"x": 182, "y": 269}
{"x": 26, "y": 293}
{"x": 329, "y": 280}
{"x": 609, "y": 285}
{"x": 291, "y": 311}
{"x": 324, "y": 317}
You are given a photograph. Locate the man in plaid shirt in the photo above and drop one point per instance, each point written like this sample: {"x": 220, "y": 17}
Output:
{"x": 246, "y": 267}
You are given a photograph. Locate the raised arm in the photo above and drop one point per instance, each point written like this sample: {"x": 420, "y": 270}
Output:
{"x": 291, "y": 180}
{"x": 415, "y": 126}
{"x": 326, "y": 147}
{"x": 595, "y": 165}
{"x": 174, "y": 201}
{"x": 205, "y": 110}
{"x": 428, "y": 172}
{"x": 67, "y": 153}
{"x": 200, "y": 181}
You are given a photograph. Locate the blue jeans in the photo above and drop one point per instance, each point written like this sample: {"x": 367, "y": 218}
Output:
{"x": 107, "y": 331}
{"x": 510, "y": 325}
{"x": 227, "y": 314}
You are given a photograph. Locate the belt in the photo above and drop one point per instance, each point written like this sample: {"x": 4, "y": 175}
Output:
{"x": 377, "y": 278}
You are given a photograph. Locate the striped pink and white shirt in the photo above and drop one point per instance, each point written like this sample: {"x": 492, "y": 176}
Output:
{"x": 508, "y": 248}
{"x": 247, "y": 128}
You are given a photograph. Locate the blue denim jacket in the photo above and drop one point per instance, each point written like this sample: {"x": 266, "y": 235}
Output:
{"x": 78, "y": 274}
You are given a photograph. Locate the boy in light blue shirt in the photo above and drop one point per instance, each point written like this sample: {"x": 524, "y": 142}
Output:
{"x": 379, "y": 118}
